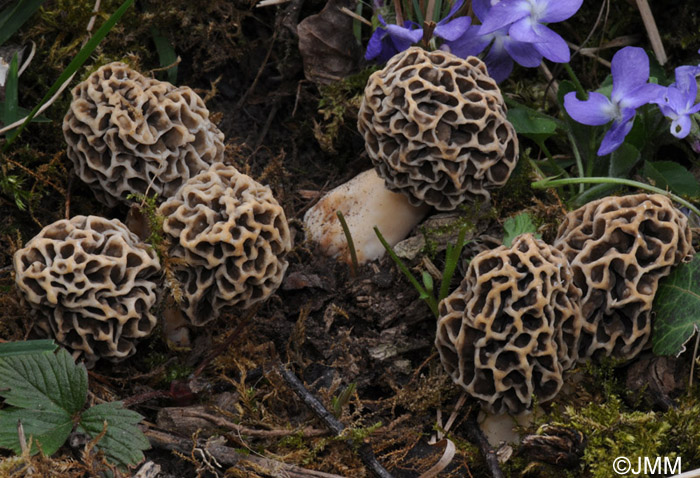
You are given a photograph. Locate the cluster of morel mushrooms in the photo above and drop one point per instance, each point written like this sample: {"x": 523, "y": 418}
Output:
{"x": 436, "y": 131}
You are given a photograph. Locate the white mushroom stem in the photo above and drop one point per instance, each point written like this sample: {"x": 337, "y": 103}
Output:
{"x": 364, "y": 203}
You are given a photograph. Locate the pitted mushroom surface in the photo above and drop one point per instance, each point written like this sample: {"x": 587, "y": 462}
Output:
{"x": 435, "y": 128}
{"x": 91, "y": 285}
{"x": 130, "y": 134}
{"x": 619, "y": 248}
{"x": 231, "y": 236}
{"x": 511, "y": 328}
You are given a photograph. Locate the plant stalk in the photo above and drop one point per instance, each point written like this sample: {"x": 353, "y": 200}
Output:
{"x": 551, "y": 183}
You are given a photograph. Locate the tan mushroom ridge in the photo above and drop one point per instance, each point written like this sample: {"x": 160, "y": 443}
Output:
{"x": 230, "y": 236}
{"x": 435, "y": 128}
{"x": 511, "y": 328}
{"x": 619, "y": 248}
{"x": 91, "y": 285}
{"x": 130, "y": 134}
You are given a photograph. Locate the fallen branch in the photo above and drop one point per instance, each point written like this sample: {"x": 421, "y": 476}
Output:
{"x": 364, "y": 450}
{"x": 229, "y": 456}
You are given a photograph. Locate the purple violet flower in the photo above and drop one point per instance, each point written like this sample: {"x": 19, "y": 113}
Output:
{"x": 630, "y": 76}
{"x": 450, "y": 30}
{"x": 677, "y": 102}
{"x": 504, "y": 49}
{"x": 387, "y": 40}
{"x": 526, "y": 21}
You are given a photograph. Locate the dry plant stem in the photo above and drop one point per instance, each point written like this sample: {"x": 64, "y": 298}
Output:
{"x": 230, "y": 456}
{"x": 355, "y": 16}
{"x": 242, "y": 430}
{"x": 695, "y": 358}
{"x": 475, "y": 435}
{"x": 653, "y": 32}
{"x": 364, "y": 450}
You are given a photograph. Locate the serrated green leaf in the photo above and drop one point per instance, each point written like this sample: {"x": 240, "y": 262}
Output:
{"x": 49, "y": 428}
{"x": 671, "y": 175}
{"x": 123, "y": 443}
{"x": 514, "y": 226}
{"x": 44, "y": 382}
{"x": 8, "y": 349}
{"x": 677, "y": 307}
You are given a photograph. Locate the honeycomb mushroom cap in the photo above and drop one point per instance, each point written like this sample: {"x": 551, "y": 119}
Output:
{"x": 90, "y": 284}
{"x": 435, "y": 128}
{"x": 619, "y": 248}
{"x": 130, "y": 134}
{"x": 230, "y": 237}
{"x": 510, "y": 329}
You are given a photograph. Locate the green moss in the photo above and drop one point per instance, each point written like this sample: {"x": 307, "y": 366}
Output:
{"x": 339, "y": 103}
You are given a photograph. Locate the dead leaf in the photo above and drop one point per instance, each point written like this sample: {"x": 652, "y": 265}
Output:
{"x": 327, "y": 44}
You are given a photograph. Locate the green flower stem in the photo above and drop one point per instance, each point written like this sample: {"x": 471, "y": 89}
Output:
{"x": 550, "y": 159}
{"x": 579, "y": 161}
{"x": 551, "y": 183}
{"x": 428, "y": 297}
{"x": 579, "y": 87}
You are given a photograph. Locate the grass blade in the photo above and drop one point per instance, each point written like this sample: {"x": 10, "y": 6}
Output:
{"x": 10, "y": 108}
{"x": 454, "y": 251}
{"x": 429, "y": 298}
{"x": 166, "y": 54}
{"x": 12, "y": 18}
{"x": 73, "y": 66}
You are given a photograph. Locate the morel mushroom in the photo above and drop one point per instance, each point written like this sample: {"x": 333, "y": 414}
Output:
{"x": 435, "y": 128}
{"x": 510, "y": 329}
{"x": 364, "y": 203}
{"x": 91, "y": 285}
{"x": 230, "y": 237}
{"x": 130, "y": 134}
{"x": 619, "y": 248}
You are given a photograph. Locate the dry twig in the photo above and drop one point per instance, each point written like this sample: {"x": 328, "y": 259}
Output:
{"x": 364, "y": 450}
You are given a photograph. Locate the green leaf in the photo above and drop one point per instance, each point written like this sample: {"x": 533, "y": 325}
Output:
{"x": 514, "y": 226}
{"x": 49, "y": 382}
{"x": 27, "y": 347}
{"x": 531, "y": 123}
{"x": 677, "y": 307}
{"x": 14, "y": 16}
{"x": 10, "y": 108}
{"x": 622, "y": 160}
{"x": 166, "y": 54}
{"x": 73, "y": 66}
{"x": 49, "y": 428}
{"x": 427, "y": 281}
{"x": 48, "y": 390}
{"x": 671, "y": 175}
{"x": 123, "y": 443}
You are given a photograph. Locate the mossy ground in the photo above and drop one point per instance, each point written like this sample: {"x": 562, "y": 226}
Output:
{"x": 371, "y": 329}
